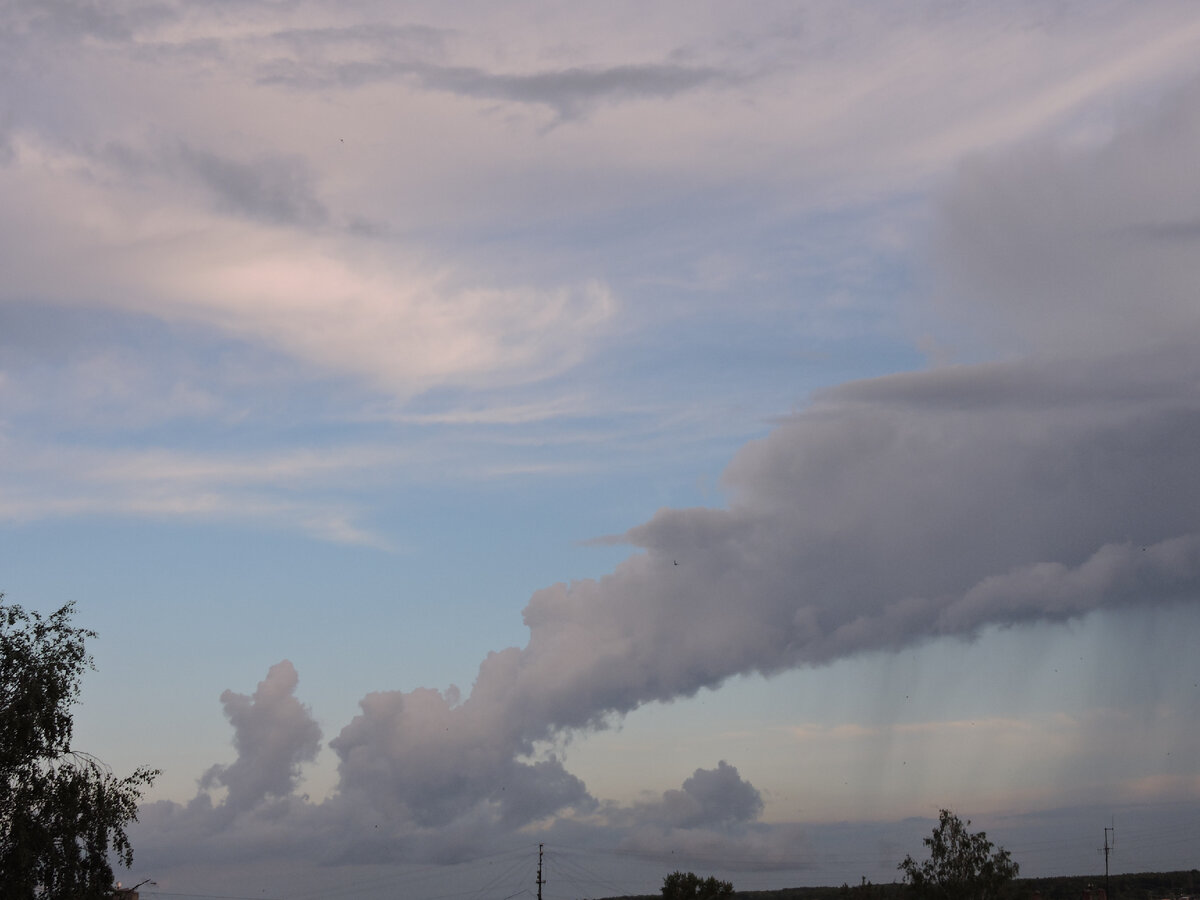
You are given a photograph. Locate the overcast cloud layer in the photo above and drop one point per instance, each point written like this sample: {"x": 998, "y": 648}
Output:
{"x": 264, "y": 265}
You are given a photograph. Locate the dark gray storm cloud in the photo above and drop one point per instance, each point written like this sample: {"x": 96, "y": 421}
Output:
{"x": 956, "y": 503}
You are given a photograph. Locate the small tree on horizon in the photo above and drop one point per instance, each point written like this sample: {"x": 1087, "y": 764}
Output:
{"x": 961, "y": 865}
{"x": 690, "y": 886}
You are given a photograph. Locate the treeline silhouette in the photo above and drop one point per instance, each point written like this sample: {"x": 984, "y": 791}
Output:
{"x": 1136, "y": 886}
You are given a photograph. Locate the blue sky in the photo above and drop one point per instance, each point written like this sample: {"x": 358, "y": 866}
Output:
{"x": 687, "y": 436}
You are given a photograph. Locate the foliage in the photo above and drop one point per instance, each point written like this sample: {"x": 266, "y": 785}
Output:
{"x": 62, "y": 812}
{"x": 961, "y": 865}
{"x": 689, "y": 886}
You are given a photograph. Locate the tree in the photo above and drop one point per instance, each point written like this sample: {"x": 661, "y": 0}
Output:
{"x": 961, "y": 865}
{"x": 62, "y": 812}
{"x": 689, "y": 886}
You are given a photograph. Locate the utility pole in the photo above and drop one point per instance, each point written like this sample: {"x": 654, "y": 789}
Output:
{"x": 539, "y": 878}
{"x": 1107, "y": 850}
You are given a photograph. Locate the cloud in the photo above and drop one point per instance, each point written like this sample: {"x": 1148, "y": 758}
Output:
{"x": 415, "y": 785}
{"x": 275, "y": 189}
{"x": 386, "y": 38}
{"x": 1115, "y": 573}
{"x": 268, "y": 488}
{"x": 423, "y": 756}
{"x": 709, "y": 798}
{"x": 569, "y": 93}
{"x": 199, "y": 225}
{"x": 75, "y": 20}
{"x": 887, "y": 513}
{"x": 274, "y": 734}
{"x": 865, "y": 525}
{"x": 1074, "y": 250}
{"x": 398, "y": 323}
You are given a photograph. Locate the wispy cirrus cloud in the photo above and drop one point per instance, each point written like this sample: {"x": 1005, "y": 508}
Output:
{"x": 287, "y": 490}
{"x": 398, "y": 323}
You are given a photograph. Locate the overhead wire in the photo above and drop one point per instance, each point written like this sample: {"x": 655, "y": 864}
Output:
{"x": 574, "y": 872}
{"x": 409, "y": 877}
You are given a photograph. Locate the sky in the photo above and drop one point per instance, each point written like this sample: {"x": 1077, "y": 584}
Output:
{"x": 688, "y": 435}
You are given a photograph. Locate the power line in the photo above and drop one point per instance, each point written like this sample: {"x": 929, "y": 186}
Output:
{"x": 1107, "y": 829}
{"x": 423, "y": 873}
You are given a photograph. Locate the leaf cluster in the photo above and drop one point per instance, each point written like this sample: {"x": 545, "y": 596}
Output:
{"x": 41, "y": 662}
{"x": 961, "y": 865}
{"x": 62, "y": 812}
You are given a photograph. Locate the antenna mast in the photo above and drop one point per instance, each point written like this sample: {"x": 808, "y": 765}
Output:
{"x": 540, "y": 882}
